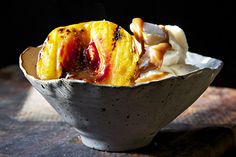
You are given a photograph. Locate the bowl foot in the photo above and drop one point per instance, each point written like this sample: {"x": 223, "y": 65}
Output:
{"x": 114, "y": 145}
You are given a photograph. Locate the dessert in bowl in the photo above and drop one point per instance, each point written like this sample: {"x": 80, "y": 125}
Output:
{"x": 118, "y": 90}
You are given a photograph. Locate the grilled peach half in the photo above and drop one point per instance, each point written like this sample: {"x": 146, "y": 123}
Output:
{"x": 98, "y": 52}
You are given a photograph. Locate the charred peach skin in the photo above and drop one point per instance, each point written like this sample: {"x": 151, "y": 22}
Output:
{"x": 99, "y": 52}
{"x": 57, "y": 51}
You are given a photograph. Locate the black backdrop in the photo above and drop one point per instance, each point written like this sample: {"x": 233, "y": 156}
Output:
{"x": 209, "y": 26}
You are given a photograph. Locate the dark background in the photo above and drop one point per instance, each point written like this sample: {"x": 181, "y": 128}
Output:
{"x": 209, "y": 26}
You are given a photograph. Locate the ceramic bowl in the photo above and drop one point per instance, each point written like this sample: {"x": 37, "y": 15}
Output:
{"x": 122, "y": 118}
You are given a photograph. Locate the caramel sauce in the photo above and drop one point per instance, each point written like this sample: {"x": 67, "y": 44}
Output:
{"x": 151, "y": 78}
{"x": 158, "y": 53}
{"x": 138, "y": 24}
{"x": 156, "y": 56}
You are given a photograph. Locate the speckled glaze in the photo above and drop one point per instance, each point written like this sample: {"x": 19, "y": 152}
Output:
{"x": 121, "y": 118}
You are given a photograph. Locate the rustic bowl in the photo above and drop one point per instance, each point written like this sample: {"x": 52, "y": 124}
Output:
{"x": 122, "y": 118}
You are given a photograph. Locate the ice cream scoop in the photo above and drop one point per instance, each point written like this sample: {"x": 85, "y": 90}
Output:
{"x": 164, "y": 50}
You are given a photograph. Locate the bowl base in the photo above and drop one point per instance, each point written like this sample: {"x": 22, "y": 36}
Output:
{"x": 115, "y": 146}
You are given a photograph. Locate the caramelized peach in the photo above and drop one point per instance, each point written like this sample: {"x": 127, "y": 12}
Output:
{"x": 98, "y": 52}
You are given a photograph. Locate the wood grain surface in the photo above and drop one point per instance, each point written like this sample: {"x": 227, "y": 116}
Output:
{"x": 29, "y": 126}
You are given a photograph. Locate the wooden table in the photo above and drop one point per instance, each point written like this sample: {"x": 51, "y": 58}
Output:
{"x": 29, "y": 127}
